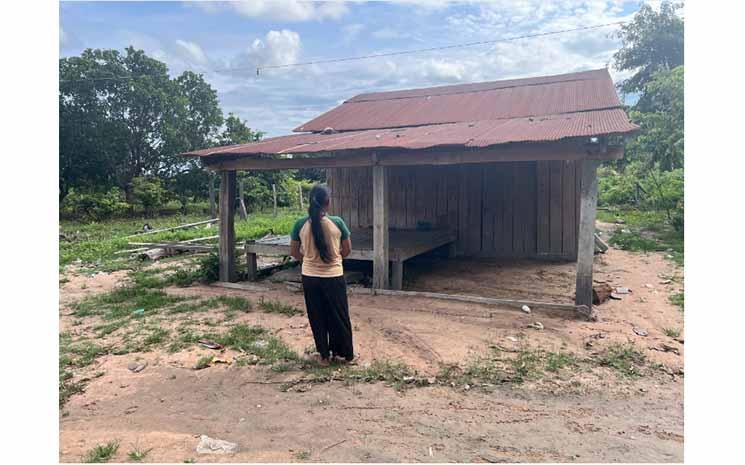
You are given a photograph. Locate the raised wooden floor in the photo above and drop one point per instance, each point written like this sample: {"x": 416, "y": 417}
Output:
{"x": 404, "y": 244}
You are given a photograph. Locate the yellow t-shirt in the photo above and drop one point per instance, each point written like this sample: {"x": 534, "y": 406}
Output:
{"x": 335, "y": 231}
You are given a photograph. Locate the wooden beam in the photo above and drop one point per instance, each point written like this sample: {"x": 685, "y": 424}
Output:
{"x": 242, "y": 201}
{"x": 564, "y": 150}
{"x": 586, "y": 243}
{"x": 227, "y": 229}
{"x": 380, "y": 227}
{"x": 213, "y": 202}
{"x": 182, "y": 226}
{"x": 252, "y": 267}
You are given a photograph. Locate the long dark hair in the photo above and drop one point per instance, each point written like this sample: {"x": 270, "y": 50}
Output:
{"x": 318, "y": 200}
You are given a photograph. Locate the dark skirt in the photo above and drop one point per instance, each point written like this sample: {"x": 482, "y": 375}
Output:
{"x": 328, "y": 314}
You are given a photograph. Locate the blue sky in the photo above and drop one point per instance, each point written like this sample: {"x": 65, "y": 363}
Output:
{"x": 212, "y": 37}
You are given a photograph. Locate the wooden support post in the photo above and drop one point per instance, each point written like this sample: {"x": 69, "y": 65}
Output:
{"x": 586, "y": 243}
{"x": 242, "y": 202}
{"x": 274, "y": 197}
{"x": 213, "y": 203}
{"x": 397, "y": 275}
{"x": 380, "y": 227}
{"x": 227, "y": 229}
{"x": 251, "y": 266}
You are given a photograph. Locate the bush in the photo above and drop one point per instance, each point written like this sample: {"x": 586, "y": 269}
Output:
{"x": 209, "y": 268}
{"x": 94, "y": 206}
{"x": 147, "y": 192}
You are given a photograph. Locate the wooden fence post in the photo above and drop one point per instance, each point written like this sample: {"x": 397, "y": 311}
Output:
{"x": 380, "y": 227}
{"x": 241, "y": 201}
{"x": 274, "y": 195}
{"x": 213, "y": 203}
{"x": 586, "y": 242}
{"x": 227, "y": 226}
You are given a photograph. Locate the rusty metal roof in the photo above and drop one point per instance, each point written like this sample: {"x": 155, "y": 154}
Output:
{"x": 466, "y": 134}
{"x": 539, "y": 109}
{"x": 516, "y": 98}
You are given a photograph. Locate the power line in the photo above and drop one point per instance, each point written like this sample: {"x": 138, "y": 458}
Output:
{"x": 432, "y": 49}
{"x": 376, "y": 55}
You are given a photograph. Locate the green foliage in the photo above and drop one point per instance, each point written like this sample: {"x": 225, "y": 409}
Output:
{"x": 102, "y": 452}
{"x": 678, "y": 299}
{"x": 671, "y": 332}
{"x": 204, "y": 362}
{"x": 234, "y": 303}
{"x": 256, "y": 341}
{"x": 209, "y": 268}
{"x": 237, "y": 132}
{"x": 651, "y": 42}
{"x": 94, "y": 206}
{"x": 625, "y": 358}
{"x": 275, "y": 306}
{"x": 138, "y": 454}
{"x": 147, "y": 192}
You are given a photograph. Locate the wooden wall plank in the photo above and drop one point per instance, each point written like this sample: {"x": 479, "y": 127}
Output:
{"x": 507, "y": 194}
{"x": 568, "y": 209}
{"x": 489, "y": 202}
{"x": 555, "y": 215}
{"x": 542, "y": 207}
{"x": 474, "y": 210}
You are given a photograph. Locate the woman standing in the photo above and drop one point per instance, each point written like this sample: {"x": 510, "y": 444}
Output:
{"x": 320, "y": 241}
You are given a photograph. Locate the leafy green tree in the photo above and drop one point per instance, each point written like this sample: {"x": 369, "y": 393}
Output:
{"x": 651, "y": 42}
{"x": 129, "y": 119}
{"x": 147, "y": 192}
{"x": 237, "y": 132}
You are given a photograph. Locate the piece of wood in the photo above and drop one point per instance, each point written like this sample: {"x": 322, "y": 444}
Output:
{"x": 380, "y": 227}
{"x": 274, "y": 198}
{"x": 241, "y": 286}
{"x": 517, "y": 304}
{"x": 586, "y": 243}
{"x": 182, "y": 226}
{"x": 227, "y": 271}
{"x": 300, "y": 196}
{"x": 251, "y": 265}
{"x": 397, "y": 275}
{"x": 173, "y": 245}
{"x": 542, "y": 208}
{"x": 568, "y": 219}
{"x": 601, "y": 292}
{"x": 241, "y": 201}
{"x": 554, "y": 205}
{"x": 565, "y": 150}
{"x": 213, "y": 202}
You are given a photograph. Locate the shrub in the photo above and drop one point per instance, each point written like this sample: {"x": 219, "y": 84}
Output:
{"x": 147, "y": 192}
{"x": 209, "y": 268}
{"x": 95, "y": 206}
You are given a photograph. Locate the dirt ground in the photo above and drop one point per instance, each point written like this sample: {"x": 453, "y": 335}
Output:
{"x": 590, "y": 416}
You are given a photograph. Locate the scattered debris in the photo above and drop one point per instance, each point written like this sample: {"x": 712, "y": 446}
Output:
{"x": 512, "y": 338}
{"x": 641, "y": 331}
{"x": 623, "y": 290}
{"x": 649, "y": 286}
{"x": 536, "y": 325}
{"x": 210, "y": 344}
{"x": 666, "y": 281}
{"x": 138, "y": 312}
{"x": 208, "y": 445}
{"x": 130, "y": 410}
{"x": 600, "y": 245}
{"x": 615, "y": 296}
{"x": 136, "y": 367}
{"x": 667, "y": 348}
{"x": 525, "y": 309}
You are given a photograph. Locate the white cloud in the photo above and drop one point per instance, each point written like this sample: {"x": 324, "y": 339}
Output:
{"x": 62, "y": 37}
{"x": 388, "y": 33}
{"x": 191, "y": 52}
{"x": 282, "y": 10}
{"x": 276, "y": 48}
{"x": 351, "y": 31}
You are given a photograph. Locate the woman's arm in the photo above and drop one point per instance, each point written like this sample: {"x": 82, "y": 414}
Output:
{"x": 295, "y": 250}
{"x": 346, "y": 247}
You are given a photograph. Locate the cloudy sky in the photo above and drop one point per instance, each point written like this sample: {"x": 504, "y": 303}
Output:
{"x": 226, "y": 41}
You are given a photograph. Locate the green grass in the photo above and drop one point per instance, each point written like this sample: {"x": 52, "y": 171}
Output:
{"x": 275, "y": 306}
{"x": 644, "y": 231}
{"x": 256, "y": 341}
{"x": 624, "y": 358}
{"x": 138, "y": 454}
{"x": 232, "y": 303}
{"x": 671, "y": 332}
{"x": 678, "y": 299}
{"x": 555, "y": 361}
{"x": 302, "y": 455}
{"x": 95, "y": 243}
{"x": 101, "y": 453}
{"x": 204, "y": 362}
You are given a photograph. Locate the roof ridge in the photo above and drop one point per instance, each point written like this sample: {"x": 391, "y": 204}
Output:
{"x": 569, "y": 77}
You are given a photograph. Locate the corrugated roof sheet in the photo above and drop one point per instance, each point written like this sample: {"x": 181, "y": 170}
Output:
{"x": 539, "y": 109}
{"x": 464, "y": 134}
{"x": 516, "y": 98}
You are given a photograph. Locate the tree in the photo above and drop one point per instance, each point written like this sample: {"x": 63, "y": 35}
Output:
{"x": 651, "y": 42}
{"x": 237, "y": 132}
{"x": 129, "y": 119}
